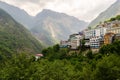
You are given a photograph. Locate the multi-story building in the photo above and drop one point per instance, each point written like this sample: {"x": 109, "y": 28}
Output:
{"x": 75, "y": 40}
{"x": 87, "y": 43}
{"x": 114, "y": 30}
{"x": 108, "y": 38}
{"x": 64, "y": 44}
{"x": 95, "y": 36}
{"x": 114, "y": 27}
{"x": 96, "y": 42}
{"x": 88, "y": 33}
{"x": 98, "y": 31}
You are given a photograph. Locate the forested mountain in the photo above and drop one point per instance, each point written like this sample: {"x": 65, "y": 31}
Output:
{"x": 48, "y": 26}
{"x": 18, "y": 14}
{"x": 14, "y": 38}
{"x": 112, "y": 11}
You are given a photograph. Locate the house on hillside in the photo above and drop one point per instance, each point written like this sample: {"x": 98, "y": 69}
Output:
{"x": 108, "y": 38}
{"x": 75, "y": 40}
{"x": 38, "y": 56}
{"x": 87, "y": 43}
{"x": 114, "y": 30}
{"x": 94, "y": 42}
{"x": 64, "y": 44}
{"x": 114, "y": 27}
{"x": 100, "y": 31}
{"x": 95, "y": 37}
{"x": 88, "y": 33}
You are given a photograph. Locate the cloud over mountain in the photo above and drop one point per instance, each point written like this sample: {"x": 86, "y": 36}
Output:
{"x": 78, "y": 8}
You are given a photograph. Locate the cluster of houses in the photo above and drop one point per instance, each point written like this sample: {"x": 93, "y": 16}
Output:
{"x": 73, "y": 42}
{"x": 104, "y": 33}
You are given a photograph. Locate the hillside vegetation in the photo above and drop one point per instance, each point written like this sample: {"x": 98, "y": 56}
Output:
{"x": 112, "y": 11}
{"x": 14, "y": 38}
{"x": 57, "y": 65}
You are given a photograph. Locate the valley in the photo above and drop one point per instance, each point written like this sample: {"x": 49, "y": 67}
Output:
{"x": 53, "y": 45}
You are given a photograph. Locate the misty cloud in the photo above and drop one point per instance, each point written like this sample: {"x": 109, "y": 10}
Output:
{"x": 83, "y": 9}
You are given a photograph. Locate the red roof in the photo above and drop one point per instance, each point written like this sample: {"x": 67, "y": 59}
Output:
{"x": 39, "y": 55}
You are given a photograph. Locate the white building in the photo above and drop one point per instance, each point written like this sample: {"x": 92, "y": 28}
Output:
{"x": 75, "y": 40}
{"x": 38, "y": 56}
{"x": 115, "y": 30}
{"x": 95, "y": 36}
{"x": 114, "y": 27}
{"x": 99, "y": 31}
{"x": 95, "y": 42}
{"x": 64, "y": 44}
{"x": 88, "y": 33}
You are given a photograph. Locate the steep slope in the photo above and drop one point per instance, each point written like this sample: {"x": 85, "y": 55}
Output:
{"x": 112, "y": 11}
{"x": 51, "y": 26}
{"x": 48, "y": 26}
{"x": 18, "y": 14}
{"x": 14, "y": 38}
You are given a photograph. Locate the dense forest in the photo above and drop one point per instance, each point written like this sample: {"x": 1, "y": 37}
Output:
{"x": 57, "y": 64}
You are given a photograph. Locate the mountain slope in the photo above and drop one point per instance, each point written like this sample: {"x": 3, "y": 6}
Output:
{"x": 18, "y": 14}
{"x": 52, "y": 26}
{"x": 112, "y": 11}
{"x": 48, "y": 26}
{"x": 14, "y": 38}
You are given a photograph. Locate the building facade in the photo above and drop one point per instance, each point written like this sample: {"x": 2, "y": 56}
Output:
{"x": 115, "y": 30}
{"x": 98, "y": 31}
{"x": 114, "y": 27}
{"x": 95, "y": 42}
{"x": 108, "y": 38}
{"x": 75, "y": 40}
{"x": 64, "y": 44}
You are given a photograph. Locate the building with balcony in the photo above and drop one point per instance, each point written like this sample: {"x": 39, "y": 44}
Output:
{"x": 98, "y": 31}
{"x": 114, "y": 27}
{"x": 96, "y": 42}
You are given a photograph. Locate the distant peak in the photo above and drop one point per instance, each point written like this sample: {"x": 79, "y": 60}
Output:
{"x": 118, "y": 1}
{"x": 2, "y": 2}
{"x": 46, "y": 10}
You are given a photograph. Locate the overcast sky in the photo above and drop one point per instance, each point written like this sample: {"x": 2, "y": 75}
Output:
{"x": 85, "y": 10}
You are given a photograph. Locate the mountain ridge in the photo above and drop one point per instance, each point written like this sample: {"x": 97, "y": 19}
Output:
{"x": 47, "y": 23}
{"x": 110, "y": 12}
{"x": 18, "y": 14}
{"x": 14, "y": 38}
{"x": 57, "y": 25}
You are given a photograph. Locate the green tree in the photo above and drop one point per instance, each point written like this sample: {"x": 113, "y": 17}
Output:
{"x": 89, "y": 54}
{"x": 112, "y": 19}
{"x": 118, "y": 17}
{"x": 56, "y": 48}
{"x": 108, "y": 68}
{"x": 82, "y": 46}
